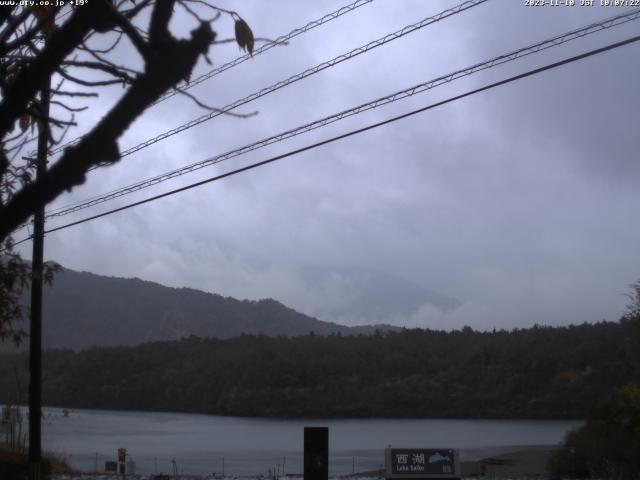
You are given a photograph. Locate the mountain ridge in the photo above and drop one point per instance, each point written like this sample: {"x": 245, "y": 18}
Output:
{"x": 83, "y": 309}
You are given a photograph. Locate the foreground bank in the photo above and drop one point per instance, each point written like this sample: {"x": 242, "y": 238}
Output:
{"x": 519, "y": 464}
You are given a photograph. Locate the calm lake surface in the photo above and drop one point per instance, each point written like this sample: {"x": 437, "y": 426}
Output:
{"x": 204, "y": 444}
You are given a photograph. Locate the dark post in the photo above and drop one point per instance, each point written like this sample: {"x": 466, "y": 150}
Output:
{"x": 122, "y": 459}
{"x": 35, "y": 336}
{"x": 316, "y": 453}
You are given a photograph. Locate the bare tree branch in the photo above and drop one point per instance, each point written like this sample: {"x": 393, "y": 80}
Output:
{"x": 214, "y": 109}
{"x": 22, "y": 40}
{"x": 118, "y": 72}
{"x": 87, "y": 83}
{"x": 67, "y": 107}
{"x": 60, "y": 44}
{"x": 12, "y": 26}
{"x": 6, "y": 13}
{"x": 109, "y": 49}
{"x": 99, "y": 146}
{"x": 134, "y": 36}
{"x": 67, "y": 93}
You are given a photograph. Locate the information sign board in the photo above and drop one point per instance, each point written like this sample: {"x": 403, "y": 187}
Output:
{"x": 422, "y": 463}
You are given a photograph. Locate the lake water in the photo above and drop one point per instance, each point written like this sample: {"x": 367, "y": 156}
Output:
{"x": 201, "y": 444}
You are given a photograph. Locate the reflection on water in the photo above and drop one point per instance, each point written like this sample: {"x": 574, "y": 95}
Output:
{"x": 203, "y": 444}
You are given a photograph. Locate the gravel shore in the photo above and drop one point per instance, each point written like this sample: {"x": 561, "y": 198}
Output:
{"x": 524, "y": 464}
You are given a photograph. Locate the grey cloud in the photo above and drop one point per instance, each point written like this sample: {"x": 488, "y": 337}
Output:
{"x": 519, "y": 202}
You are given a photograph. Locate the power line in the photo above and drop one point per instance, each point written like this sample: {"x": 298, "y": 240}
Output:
{"x": 351, "y": 133}
{"x": 237, "y": 61}
{"x": 300, "y": 76}
{"x": 381, "y": 41}
{"x": 511, "y": 56}
{"x": 268, "y": 46}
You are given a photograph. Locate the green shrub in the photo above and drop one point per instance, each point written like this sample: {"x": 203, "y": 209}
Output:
{"x": 607, "y": 445}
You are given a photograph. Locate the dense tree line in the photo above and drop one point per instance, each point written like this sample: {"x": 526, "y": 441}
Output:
{"x": 541, "y": 372}
{"x": 607, "y": 445}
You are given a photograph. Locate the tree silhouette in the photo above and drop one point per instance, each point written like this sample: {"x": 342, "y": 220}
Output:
{"x": 80, "y": 47}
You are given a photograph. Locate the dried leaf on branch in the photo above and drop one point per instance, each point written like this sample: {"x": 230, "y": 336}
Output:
{"x": 244, "y": 36}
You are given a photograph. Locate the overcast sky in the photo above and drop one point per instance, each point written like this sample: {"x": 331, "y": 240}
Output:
{"x": 520, "y": 202}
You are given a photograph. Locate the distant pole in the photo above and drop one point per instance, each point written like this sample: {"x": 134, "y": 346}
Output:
{"x": 284, "y": 462}
{"x": 35, "y": 337}
{"x": 223, "y": 466}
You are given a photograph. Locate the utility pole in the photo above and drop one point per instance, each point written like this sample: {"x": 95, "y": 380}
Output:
{"x": 35, "y": 338}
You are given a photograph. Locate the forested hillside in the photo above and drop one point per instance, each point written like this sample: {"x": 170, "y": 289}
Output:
{"x": 541, "y": 372}
{"x": 83, "y": 310}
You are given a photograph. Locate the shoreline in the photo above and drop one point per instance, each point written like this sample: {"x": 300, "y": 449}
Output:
{"x": 526, "y": 462}
{"x": 517, "y": 462}
{"x": 59, "y": 409}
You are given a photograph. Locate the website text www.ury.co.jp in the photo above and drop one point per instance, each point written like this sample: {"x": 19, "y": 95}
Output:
{"x": 43, "y": 3}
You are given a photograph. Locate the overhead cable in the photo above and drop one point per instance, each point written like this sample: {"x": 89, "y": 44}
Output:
{"x": 282, "y": 39}
{"x": 422, "y": 87}
{"x": 295, "y": 78}
{"x": 351, "y": 133}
